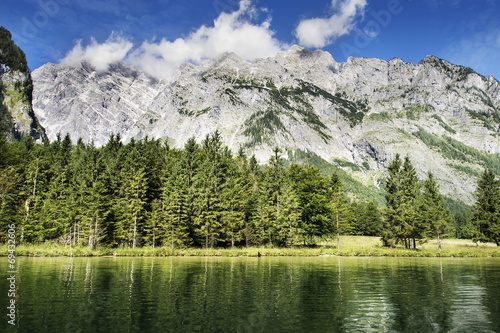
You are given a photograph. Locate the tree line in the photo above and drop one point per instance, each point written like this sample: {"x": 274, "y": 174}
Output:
{"x": 148, "y": 193}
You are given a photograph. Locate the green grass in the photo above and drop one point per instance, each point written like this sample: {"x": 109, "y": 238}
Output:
{"x": 350, "y": 246}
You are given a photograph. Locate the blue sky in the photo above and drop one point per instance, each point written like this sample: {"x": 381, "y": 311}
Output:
{"x": 158, "y": 35}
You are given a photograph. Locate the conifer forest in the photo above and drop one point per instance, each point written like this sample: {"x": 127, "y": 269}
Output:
{"x": 146, "y": 193}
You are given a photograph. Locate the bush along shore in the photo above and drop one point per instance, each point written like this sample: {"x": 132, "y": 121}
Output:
{"x": 350, "y": 246}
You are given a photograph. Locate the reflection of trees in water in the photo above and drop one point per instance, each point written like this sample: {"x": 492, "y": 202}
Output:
{"x": 259, "y": 294}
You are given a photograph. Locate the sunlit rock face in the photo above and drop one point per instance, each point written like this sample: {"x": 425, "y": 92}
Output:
{"x": 363, "y": 111}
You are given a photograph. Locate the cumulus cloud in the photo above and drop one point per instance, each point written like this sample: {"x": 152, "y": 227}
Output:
{"x": 230, "y": 32}
{"x": 99, "y": 56}
{"x": 319, "y": 32}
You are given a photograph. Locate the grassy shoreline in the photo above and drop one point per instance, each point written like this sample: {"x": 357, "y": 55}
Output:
{"x": 351, "y": 246}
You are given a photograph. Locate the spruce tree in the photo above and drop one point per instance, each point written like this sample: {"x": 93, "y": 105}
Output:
{"x": 402, "y": 220}
{"x": 343, "y": 217}
{"x": 486, "y": 219}
{"x": 435, "y": 216}
{"x": 208, "y": 183}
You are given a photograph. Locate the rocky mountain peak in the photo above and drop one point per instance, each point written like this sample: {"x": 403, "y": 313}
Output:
{"x": 356, "y": 115}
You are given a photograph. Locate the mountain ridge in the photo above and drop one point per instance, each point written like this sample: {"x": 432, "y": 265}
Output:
{"x": 357, "y": 113}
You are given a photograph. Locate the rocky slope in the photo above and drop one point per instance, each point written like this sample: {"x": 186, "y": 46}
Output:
{"x": 16, "y": 113}
{"x": 356, "y": 115}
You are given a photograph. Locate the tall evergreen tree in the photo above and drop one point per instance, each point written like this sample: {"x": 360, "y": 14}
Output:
{"x": 434, "y": 214}
{"x": 270, "y": 199}
{"x": 234, "y": 194}
{"x": 313, "y": 192}
{"x": 486, "y": 219}
{"x": 209, "y": 181}
{"x": 368, "y": 219}
{"x": 343, "y": 217}
{"x": 403, "y": 223}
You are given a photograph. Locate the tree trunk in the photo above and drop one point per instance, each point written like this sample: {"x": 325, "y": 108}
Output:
{"x": 439, "y": 243}
{"x": 414, "y": 244}
{"x": 96, "y": 239}
{"x": 90, "y": 235}
{"x": 172, "y": 236}
{"x": 135, "y": 232}
{"x": 232, "y": 238}
{"x": 338, "y": 233}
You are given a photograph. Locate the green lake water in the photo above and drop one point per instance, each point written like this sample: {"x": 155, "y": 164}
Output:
{"x": 325, "y": 294}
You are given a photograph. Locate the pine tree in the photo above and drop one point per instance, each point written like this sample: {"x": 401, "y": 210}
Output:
{"x": 369, "y": 219}
{"x": 313, "y": 192}
{"x": 153, "y": 226}
{"x": 435, "y": 216}
{"x": 486, "y": 219}
{"x": 403, "y": 223}
{"x": 343, "y": 217}
{"x": 288, "y": 223}
{"x": 270, "y": 199}
{"x": 413, "y": 227}
{"x": 176, "y": 199}
{"x": 208, "y": 183}
{"x": 234, "y": 194}
{"x": 132, "y": 197}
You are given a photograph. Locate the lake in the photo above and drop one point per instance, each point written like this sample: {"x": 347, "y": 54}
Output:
{"x": 276, "y": 294}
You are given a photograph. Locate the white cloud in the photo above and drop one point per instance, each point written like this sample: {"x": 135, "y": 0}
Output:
{"x": 231, "y": 32}
{"x": 99, "y": 56}
{"x": 319, "y": 32}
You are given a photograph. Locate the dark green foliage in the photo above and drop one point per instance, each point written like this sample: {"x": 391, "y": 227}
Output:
{"x": 346, "y": 164}
{"x": 145, "y": 193}
{"x": 434, "y": 216}
{"x": 414, "y": 211}
{"x": 486, "y": 219}
{"x": 10, "y": 53}
{"x": 368, "y": 219}
{"x": 261, "y": 126}
{"x": 382, "y": 116}
{"x": 403, "y": 222}
{"x": 191, "y": 113}
{"x": 462, "y": 215}
{"x": 352, "y": 187}
{"x": 6, "y": 121}
{"x": 314, "y": 193}
{"x": 353, "y": 112}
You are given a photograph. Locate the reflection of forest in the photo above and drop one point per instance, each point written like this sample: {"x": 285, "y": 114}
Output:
{"x": 258, "y": 294}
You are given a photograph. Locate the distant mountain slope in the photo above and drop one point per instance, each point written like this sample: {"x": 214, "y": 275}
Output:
{"x": 16, "y": 113}
{"x": 356, "y": 115}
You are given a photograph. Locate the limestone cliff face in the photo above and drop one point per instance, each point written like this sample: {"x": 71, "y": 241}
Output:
{"x": 16, "y": 113}
{"x": 356, "y": 114}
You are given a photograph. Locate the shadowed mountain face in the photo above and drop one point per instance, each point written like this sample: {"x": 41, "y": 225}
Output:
{"x": 16, "y": 113}
{"x": 356, "y": 115}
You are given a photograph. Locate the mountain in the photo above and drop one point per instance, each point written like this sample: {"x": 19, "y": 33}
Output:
{"x": 16, "y": 113}
{"x": 356, "y": 115}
